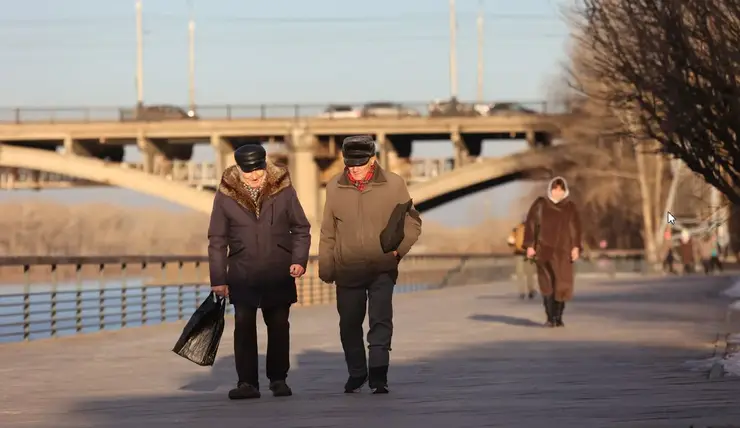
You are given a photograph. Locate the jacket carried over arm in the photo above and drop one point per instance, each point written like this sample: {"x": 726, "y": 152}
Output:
{"x": 353, "y": 220}
{"x": 252, "y": 243}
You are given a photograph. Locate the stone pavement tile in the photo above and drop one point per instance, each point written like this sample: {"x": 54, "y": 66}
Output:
{"x": 469, "y": 356}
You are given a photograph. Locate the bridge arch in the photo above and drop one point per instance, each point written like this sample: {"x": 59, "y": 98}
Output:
{"x": 485, "y": 174}
{"x": 112, "y": 174}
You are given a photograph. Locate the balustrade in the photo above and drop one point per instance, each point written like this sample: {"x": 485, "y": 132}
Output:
{"x": 43, "y": 297}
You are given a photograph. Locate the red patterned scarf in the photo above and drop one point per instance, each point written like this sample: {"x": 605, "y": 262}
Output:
{"x": 361, "y": 184}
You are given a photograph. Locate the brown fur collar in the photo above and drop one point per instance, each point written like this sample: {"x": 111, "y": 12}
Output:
{"x": 277, "y": 179}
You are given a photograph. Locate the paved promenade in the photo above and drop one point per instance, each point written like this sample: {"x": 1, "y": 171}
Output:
{"x": 471, "y": 356}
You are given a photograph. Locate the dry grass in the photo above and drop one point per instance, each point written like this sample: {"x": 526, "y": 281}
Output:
{"x": 50, "y": 228}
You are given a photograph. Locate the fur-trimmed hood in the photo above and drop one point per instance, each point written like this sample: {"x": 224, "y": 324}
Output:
{"x": 549, "y": 190}
{"x": 277, "y": 178}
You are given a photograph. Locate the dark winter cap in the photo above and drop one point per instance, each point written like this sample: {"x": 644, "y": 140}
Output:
{"x": 251, "y": 157}
{"x": 358, "y": 150}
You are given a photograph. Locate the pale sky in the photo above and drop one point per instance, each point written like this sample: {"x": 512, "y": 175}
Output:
{"x": 82, "y": 53}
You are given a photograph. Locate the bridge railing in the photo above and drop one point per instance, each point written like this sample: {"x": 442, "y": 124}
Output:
{"x": 261, "y": 111}
{"x": 42, "y": 297}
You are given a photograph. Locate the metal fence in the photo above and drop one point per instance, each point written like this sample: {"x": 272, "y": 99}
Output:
{"x": 256, "y": 111}
{"x": 55, "y": 296}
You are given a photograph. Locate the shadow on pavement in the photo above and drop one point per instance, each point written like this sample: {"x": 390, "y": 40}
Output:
{"x": 505, "y": 319}
{"x": 550, "y": 383}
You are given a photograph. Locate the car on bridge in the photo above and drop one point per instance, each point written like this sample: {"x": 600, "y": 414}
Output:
{"x": 452, "y": 108}
{"x": 156, "y": 113}
{"x": 340, "y": 111}
{"x": 508, "y": 108}
{"x": 387, "y": 109}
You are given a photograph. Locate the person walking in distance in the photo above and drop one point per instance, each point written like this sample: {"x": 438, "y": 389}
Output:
{"x": 525, "y": 270}
{"x": 553, "y": 236}
{"x": 714, "y": 261}
{"x": 360, "y": 203}
{"x": 259, "y": 240}
{"x": 687, "y": 251}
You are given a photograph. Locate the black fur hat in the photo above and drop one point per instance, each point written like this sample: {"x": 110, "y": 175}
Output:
{"x": 358, "y": 150}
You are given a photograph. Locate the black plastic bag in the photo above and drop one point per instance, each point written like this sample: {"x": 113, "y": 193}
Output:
{"x": 201, "y": 336}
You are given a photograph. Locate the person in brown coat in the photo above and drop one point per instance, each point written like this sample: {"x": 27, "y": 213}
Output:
{"x": 259, "y": 240}
{"x": 687, "y": 251}
{"x": 553, "y": 236}
{"x": 360, "y": 205}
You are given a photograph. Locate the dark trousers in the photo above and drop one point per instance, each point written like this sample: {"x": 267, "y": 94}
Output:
{"x": 711, "y": 264}
{"x": 375, "y": 296}
{"x": 245, "y": 343}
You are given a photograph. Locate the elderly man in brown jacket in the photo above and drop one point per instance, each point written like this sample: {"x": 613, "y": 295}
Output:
{"x": 553, "y": 236}
{"x": 360, "y": 202}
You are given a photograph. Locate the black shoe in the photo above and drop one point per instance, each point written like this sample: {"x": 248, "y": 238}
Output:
{"x": 558, "y": 314}
{"x": 548, "y": 303}
{"x": 531, "y": 295}
{"x": 379, "y": 380}
{"x": 280, "y": 389}
{"x": 244, "y": 391}
{"x": 382, "y": 389}
{"x": 354, "y": 384}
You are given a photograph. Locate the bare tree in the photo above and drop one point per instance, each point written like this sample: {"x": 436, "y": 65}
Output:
{"x": 669, "y": 70}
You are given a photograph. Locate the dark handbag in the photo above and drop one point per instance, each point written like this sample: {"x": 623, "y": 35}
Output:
{"x": 202, "y": 334}
{"x": 393, "y": 234}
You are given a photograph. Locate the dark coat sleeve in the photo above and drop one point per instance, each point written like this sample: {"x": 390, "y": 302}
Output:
{"x": 575, "y": 229}
{"x": 531, "y": 223}
{"x": 218, "y": 230}
{"x": 300, "y": 229}
{"x": 327, "y": 242}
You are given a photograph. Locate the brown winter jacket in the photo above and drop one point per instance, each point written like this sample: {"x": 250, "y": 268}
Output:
{"x": 687, "y": 251}
{"x": 349, "y": 248}
{"x": 552, "y": 227}
{"x": 704, "y": 248}
{"x": 251, "y": 250}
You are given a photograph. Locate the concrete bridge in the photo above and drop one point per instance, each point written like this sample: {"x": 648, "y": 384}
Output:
{"x": 304, "y": 137}
{"x": 429, "y": 193}
{"x": 634, "y": 353}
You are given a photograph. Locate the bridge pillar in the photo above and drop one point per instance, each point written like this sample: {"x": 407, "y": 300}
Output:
{"x": 304, "y": 174}
{"x": 74, "y": 147}
{"x": 531, "y": 140}
{"x": 150, "y": 152}
{"x": 461, "y": 150}
{"x": 223, "y": 152}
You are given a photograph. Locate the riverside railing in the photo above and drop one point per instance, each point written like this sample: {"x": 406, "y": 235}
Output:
{"x": 43, "y": 297}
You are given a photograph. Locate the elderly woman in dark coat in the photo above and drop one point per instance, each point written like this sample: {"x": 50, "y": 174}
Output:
{"x": 259, "y": 240}
{"x": 552, "y": 234}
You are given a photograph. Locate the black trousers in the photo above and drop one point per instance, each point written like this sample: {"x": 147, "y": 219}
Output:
{"x": 245, "y": 343}
{"x": 374, "y": 297}
{"x": 711, "y": 264}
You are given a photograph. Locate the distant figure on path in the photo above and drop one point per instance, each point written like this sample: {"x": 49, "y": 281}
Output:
{"x": 361, "y": 203}
{"x": 553, "y": 236}
{"x": 714, "y": 259}
{"x": 667, "y": 252}
{"x": 525, "y": 269}
{"x": 709, "y": 254}
{"x": 686, "y": 251}
{"x": 259, "y": 240}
